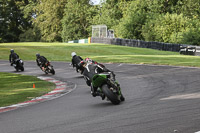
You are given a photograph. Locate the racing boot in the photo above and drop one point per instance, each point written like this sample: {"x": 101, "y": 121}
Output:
{"x": 93, "y": 91}
{"x": 99, "y": 93}
{"x": 96, "y": 92}
{"x": 103, "y": 96}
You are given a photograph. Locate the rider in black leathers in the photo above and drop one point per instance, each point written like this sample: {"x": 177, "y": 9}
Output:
{"x": 41, "y": 61}
{"x": 12, "y": 57}
{"x": 88, "y": 60}
{"x": 75, "y": 61}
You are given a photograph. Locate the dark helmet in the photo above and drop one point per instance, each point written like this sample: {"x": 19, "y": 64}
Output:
{"x": 11, "y": 51}
{"x": 37, "y": 55}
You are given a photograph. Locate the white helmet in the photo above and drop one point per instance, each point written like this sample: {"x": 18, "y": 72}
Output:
{"x": 73, "y": 54}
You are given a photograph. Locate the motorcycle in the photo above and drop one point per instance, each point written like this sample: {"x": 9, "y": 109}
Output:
{"x": 48, "y": 68}
{"x": 18, "y": 65}
{"x": 79, "y": 69}
{"x": 108, "y": 86}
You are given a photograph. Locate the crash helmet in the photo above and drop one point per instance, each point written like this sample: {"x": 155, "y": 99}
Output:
{"x": 73, "y": 54}
{"x": 12, "y": 51}
{"x": 37, "y": 55}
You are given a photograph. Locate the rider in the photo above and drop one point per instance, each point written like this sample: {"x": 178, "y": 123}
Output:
{"x": 13, "y": 56}
{"x": 41, "y": 61}
{"x": 75, "y": 61}
{"x": 88, "y": 60}
{"x": 89, "y": 71}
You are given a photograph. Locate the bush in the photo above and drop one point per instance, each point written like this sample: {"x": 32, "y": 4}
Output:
{"x": 31, "y": 35}
{"x": 192, "y": 37}
{"x": 166, "y": 28}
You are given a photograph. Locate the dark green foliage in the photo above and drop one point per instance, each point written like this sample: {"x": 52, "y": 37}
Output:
{"x": 192, "y": 37}
{"x": 31, "y": 35}
{"x": 12, "y": 22}
{"x": 192, "y": 34}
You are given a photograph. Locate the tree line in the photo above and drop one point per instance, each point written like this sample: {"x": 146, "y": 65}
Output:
{"x": 170, "y": 21}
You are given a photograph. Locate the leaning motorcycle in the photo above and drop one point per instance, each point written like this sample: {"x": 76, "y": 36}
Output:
{"x": 19, "y": 65}
{"x": 79, "y": 69}
{"x": 108, "y": 86}
{"x": 48, "y": 68}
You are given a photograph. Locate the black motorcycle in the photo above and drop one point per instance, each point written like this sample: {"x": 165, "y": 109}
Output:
{"x": 18, "y": 65}
{"x": 48, "y": 68}
{"x": 79, "y": 69}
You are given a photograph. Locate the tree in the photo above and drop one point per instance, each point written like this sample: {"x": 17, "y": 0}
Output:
{"x": 110, "y": 12}
{"x": 31, "y": 33}
{"x": 158, "y": 20}
{"x": 77, "y": 20}
{"x": 133, "y": 19}
{"x": 166, "y": 28}
{"x": 48, "y": 15}
{"x": 12, "y": 21}
{"x": 192, "y": 34}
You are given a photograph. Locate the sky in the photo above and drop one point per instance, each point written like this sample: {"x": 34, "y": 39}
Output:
{"x": 95, "y": 1}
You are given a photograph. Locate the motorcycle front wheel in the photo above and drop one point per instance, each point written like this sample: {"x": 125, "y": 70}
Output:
{"x": 22, "y": 68}
{"x": 110, "y": 95}
{"x": 52, "y": 71}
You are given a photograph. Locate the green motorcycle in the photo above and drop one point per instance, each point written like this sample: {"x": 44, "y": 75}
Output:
{"x": 107, "y": 85}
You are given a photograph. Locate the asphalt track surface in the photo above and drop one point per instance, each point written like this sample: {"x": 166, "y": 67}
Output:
{"x": 159, "y": 99}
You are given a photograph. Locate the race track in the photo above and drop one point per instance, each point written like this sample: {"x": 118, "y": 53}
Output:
{"x": 159, "y": 99}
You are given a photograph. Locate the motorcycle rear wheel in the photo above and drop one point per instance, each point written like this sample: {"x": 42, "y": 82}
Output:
{"x": 110, "y": 95}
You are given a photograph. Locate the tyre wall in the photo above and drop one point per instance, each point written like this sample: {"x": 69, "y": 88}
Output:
{"x": 138, "y": 43}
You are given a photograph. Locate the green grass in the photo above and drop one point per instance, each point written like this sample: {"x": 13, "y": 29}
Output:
{"x": 99, "y": 52}
{"x": 16, "y": 88}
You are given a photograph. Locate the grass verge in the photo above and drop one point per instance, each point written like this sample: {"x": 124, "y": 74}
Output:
{"x": 99, "y": 52}
{"x": 16, "y": 88}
